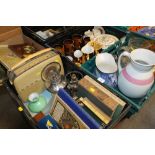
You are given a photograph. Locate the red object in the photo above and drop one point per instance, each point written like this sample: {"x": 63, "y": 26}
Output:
{"x": 135, "y": 28}
{"x": 38, "y": 117}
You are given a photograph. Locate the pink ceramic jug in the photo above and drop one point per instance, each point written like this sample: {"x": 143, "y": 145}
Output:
{"x": 136, "y": 78}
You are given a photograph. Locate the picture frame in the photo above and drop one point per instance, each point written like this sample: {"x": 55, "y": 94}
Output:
{"x": 65, "y": 116}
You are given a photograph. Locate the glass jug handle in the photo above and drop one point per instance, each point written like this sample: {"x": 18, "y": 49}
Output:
{"x": 126, "y": 54}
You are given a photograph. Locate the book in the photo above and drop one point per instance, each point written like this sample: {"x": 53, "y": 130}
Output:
{"x": 101, "y": 97}
{"x": 100, "y": 114}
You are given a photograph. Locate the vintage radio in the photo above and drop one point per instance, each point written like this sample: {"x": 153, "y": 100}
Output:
{"x": 26, "y": 75}
{"x": 100, "y": 98}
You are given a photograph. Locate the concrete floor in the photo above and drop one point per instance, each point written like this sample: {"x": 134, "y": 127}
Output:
{"x": 144, "y": 119}
{"x": 11, "y": 118}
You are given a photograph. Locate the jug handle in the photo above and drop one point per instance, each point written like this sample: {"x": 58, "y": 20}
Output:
{"x": 126, "y": 54}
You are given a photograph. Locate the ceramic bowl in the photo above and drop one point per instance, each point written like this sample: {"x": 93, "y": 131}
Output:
{"x": 105, "y": 62}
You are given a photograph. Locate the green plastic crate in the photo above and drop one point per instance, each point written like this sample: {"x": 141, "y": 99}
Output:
{"x": 136, "y": 103}
{"x": 126, "y": 30}
{"x": 122, "y": 28}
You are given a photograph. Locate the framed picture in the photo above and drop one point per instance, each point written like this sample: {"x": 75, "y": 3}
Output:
{"x": 65, "y": 116}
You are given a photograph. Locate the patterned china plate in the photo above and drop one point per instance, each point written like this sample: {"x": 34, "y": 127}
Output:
{"x": 106, "y": 40}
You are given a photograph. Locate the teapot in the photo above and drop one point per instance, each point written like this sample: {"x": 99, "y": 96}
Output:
{"x": 135, "y": 79}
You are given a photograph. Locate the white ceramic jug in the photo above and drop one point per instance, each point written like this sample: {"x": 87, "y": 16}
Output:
{"x": 137, "y": 77}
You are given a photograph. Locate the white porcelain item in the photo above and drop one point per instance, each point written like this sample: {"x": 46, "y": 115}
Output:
{"x": 87, "y": 49}
{"x": 106, "y": 40}
{"x": 70, "y": 58}
{"x": 33, "y": 97}
{"x": 96, "y": 32}
{"x": 136, "y": 78}
{"x": 105, "y": 62}
{"x": 100, "y": 28}
{"x": 78, "y": 54}
{"x": 88, "y": 33}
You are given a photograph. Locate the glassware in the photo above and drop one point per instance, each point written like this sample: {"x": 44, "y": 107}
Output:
{"x": 78, "y": 57}
{"x": 86, "y": 40}
{"x": 36, "y": 102}
{"x": 59, "y": 49}
{"x": 88, "y": 51}
{"x": 136, "y": 42}
{"x": 52, "y": 77}
{"x": 68, "y": 47}
{"x": 77, "y": 38}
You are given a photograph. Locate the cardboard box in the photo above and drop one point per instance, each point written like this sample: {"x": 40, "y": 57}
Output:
{"x": 10, "y": 35}
{"x": 13, "y": 35}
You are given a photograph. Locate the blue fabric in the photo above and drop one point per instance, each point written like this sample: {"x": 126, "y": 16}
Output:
{"x": 85, "y": 117}
{"x": 42, "y": 124}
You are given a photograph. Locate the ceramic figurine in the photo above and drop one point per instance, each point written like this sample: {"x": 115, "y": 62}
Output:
{"x": 96, "y": 32}
{"x": 136, "y": 78}
{"x": 88, "y": 33}
{"x": 36, "y": 102}
{"x": 100, "y": 28}
{"x": 99, "y": 40}
{"x": 73, "y": 78}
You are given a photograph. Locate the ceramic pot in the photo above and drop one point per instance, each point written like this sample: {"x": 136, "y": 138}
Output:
{"x": 136, "y": 78}
{"x": 109, "y": 79}
{"x": 106, "y": 69}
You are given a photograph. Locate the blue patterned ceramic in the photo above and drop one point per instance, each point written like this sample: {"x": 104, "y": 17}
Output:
{"x": 108, "y": 78}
